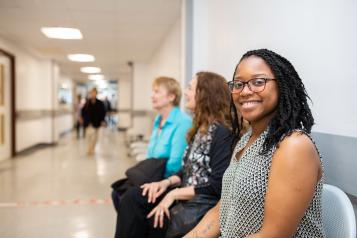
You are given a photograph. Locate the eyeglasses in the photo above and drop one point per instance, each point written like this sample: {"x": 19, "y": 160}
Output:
{"x": 255, "y": 85}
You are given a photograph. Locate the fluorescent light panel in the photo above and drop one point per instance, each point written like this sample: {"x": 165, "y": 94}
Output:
{"x": 90, "y": 70}
{"x": 62, "y": 33}
{"x": 81, "y": 57}
{"x": 96, "y": 77}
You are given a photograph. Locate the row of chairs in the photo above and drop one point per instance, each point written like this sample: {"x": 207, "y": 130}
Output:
{"x": 137, "y": 145}
{"x": 137, "y": 136}
{"x": 138, "y": 150}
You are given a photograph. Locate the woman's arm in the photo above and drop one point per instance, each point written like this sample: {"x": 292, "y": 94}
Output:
{"x": 294, "y": 173}
{"x": 185, "y": 193}
{"x": 208, "y": 226}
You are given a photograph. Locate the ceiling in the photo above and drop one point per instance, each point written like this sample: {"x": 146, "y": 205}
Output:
{"x": 114, "y": 31}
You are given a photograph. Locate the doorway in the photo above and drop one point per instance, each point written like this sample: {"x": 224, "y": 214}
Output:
{"x": 7, "y": 105}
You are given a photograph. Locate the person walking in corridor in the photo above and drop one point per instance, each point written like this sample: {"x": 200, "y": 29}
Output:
{"x": 94, "y": 110}
{"x": 78, "y": 106}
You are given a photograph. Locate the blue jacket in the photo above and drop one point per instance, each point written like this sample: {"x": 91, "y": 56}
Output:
{"x": 171, "y": 142}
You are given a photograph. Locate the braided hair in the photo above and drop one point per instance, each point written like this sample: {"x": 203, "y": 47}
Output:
{"x": 237, "y": 121}
{"x": 293, "y": 111}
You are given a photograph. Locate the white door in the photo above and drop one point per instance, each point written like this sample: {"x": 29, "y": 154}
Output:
{"x": 5, "y": 119}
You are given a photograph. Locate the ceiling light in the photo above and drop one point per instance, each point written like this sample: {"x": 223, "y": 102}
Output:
{"x": 64, "y": 86}
{"x": 96, "y": 77}
{"x": 90, "y": 70}
{"x": 62, "y": 33}
{"x": 81, "y": 57}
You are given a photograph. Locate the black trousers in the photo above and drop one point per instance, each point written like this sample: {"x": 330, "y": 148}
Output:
{"x": 78, "y": 130}
{"x": 132, "y": 211}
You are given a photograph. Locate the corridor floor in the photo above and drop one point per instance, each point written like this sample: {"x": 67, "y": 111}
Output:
{"x": 60, "y": 192}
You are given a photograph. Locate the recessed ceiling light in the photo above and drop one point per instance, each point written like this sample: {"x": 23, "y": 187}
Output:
{"x": 90, "y": 70}
{"x": 81, "y": 57}
{"x": 62, "y": 33}
{"x": 96, "y": 77}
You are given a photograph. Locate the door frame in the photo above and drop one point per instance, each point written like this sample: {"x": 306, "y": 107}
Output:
{"x": 12, "y": 100}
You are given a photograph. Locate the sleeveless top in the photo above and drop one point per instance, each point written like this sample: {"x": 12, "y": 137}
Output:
{"x": 244, "y": 188}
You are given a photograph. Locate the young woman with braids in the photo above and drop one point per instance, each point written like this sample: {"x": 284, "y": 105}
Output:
{"x": 145, "y": 211}
{"x": 273, "y": 185}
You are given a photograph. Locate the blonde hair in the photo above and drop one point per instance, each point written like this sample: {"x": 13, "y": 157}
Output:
{"x": 172, "y": 86}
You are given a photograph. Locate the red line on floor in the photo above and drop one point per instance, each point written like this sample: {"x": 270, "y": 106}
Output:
{"x": 92, "y": 201}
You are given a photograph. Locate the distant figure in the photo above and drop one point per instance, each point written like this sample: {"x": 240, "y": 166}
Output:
{"x": 78, "y": 106}
{"x": 94, "y": 112}
{"x": 108, "y": 109}
{"x": 85, "y": 118}
{"x": 107, "y": 105}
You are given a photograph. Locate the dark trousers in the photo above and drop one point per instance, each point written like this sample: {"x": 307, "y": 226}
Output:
{"x": 78, "y": 130}
{"x": 132, "y": 211}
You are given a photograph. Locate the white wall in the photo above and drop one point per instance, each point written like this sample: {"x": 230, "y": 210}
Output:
{"x": 318, "y": 37}
{"x": 32, "y": 74}
{"x": 124, "y": 101}
{"x": 36, "y": 90}
{"x": 166, "y": 61}
{"x": 142, "y": 79}
{"x": 32, "y": 132}
{"x": 63, "y": 122}
{"x": 124, "y": 90}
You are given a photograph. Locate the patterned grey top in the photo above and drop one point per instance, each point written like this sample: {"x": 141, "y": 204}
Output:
{"x": 243, "y": 194}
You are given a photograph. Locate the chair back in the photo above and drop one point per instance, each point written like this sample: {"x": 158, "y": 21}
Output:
{"x": 337, "y": 213}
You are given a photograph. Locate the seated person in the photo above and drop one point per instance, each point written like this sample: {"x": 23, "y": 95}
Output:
{"x": 169, "y": 130}
{"x": 144, "y": 211}
{"x": 273, "y": 185}
{"x": 170, "y": 126}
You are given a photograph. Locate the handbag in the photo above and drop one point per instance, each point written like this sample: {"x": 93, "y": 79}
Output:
{"x": 185, "y": 215}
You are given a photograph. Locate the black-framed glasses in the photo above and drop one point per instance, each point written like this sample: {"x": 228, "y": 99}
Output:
{"x": 255, "y": 85}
